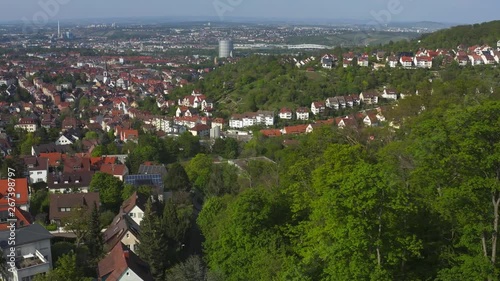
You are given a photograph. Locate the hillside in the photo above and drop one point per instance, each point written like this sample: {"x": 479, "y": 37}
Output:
{"x": 477, "y": 34}
{"x": 485, "y": 33}
{"x": 270, "y": 83}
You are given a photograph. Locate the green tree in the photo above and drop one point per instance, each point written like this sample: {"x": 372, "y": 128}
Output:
{"x": 457, "y": 162}
{"x": 109, "y": 188}
{"x": 153, "y": 243}
{"x": 112, "y": 149}
{"x": 355, "y": 208}
{"x": 77, "y": 222}
{"x": 91, "y": 135}
{"x": 223, "y": 180}
{"x": 66, "y": 269}
{"x": 28, "y": 142}
{"x": 177, "y": 179}
{"x": 99, "y": 151}
{"x": 193, "y": 269}
{"x": 93, "y": 238}
{"x": 189, "y": 145}
{"x": 243, "y": 237}
{"x": 198, "y": 170}
{"x": 177, "y": 219}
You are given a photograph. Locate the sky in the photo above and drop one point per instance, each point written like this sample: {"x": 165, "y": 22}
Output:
{"x": 381, "y": 11}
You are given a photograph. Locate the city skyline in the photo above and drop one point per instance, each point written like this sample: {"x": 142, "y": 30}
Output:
{"x": 380, "y": 11}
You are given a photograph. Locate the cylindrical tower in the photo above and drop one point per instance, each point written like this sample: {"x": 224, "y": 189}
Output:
{"x": 225, "y": 48}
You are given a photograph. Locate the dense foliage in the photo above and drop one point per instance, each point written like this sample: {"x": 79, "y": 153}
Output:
{"x": 416, "y": 203}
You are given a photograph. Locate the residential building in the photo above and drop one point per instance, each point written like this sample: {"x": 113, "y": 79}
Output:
{"x": 124, "y": 230}
{"x": 68, "y": 182}
{"x": 390, "y": 94}
{"x": 423, "y": 61}
{"x": 153, "y": 180}
{"x": 149, "y": 168}
{"x": 249, "y": 119}
{"x": 23, "y": 218}
{"x": 369, "y": 97}
{"x": 28, "y": 124}
{"x": 135, "y": 206}
{"x": 21, "y": 197}
{"x": 317, "y": 108}
{"x": 285, "y": 113}
{"x": 200, "y": 130}
{"x": 66, "y": 139}
{"x": 122, "y": 264}
{"x": 129, "y": 135}
{"x": 406, "y": 62}
{"x": 218, "y": 122}
{"x": 37, "y": 168}
{"x": 119, "y": 171}
{"x": 295, "y": 130}
{"x": 393, "y": 61}
{"x": 61, "y": 205}
{"x": 302, "y": 113}
{"x": 33, "y": 251}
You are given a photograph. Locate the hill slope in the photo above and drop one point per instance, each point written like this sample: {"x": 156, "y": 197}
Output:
{"x": 484, "y": 33}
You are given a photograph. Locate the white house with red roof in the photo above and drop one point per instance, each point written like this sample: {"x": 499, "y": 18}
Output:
{"x": 317, "y": 107}
{"x": 285, "y": 113}
{"x": 406, "y": 62}
{"x": 423, "y": 62}
{"x": 218, "y": 122}
{"x": 28, "y": 124}
{"x": 19, "y": 196}
{"x": 302, "y": 113}
{"x": 200, "y": 130}
{"x": 476, "y": 59}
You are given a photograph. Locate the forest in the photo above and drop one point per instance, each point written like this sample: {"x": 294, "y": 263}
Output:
{"x": 418, "y": 203}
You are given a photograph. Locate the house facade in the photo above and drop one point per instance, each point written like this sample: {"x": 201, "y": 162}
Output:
{"x": 33, "y": 251}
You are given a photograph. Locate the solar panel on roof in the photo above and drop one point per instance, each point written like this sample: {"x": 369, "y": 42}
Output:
{"x": 146, "y": 179}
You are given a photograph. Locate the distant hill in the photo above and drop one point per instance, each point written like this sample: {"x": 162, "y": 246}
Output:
{"x": 477, "y": 34}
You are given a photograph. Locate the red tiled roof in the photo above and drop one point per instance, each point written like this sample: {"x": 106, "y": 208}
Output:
{"x": 299, "y": 129}
{"x": 113, "y": 169}
{"x": 271, "y": 132}
{"x": 23, "y": 218}
{"x": 21, "y": 188}
{"x": 113, "y": 266}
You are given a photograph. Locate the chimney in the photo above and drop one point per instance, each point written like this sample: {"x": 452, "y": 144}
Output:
{"x": 125, "y": 254}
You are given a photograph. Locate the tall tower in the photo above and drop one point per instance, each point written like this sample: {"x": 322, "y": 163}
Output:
{"x": 225, "y": 48}
{"x": 58, "y": 30}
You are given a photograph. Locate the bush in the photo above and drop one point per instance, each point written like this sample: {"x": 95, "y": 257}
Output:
{"x": 51, "y": 227}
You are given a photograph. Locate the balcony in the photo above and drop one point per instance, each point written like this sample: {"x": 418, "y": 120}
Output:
{"x": 31, "y": 264}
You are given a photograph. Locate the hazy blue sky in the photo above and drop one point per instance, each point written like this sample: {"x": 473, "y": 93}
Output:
{"x": 455, "y": 11}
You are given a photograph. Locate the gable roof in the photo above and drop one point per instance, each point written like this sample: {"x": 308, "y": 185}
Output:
{"x": 113, "y": 169}
{"x": 23, "y": 218}
{"x": 50, "y": 147}
{"x": 21, "y": 186}
{"x": 71, "y": 200}
{"x": 25, "y": 235}
{"x": 148, "y": 168}
{"x": 118, "y": 228}
{"x": 136, "y": 199}
{"x": 114, "y": 265}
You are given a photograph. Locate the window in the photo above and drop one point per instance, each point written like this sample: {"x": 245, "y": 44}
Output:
{"x": 128, "y": 235}
{"x": 132, "y": 215}
{"x": 140, "y": 215}
{"x": 38, "y": 173}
